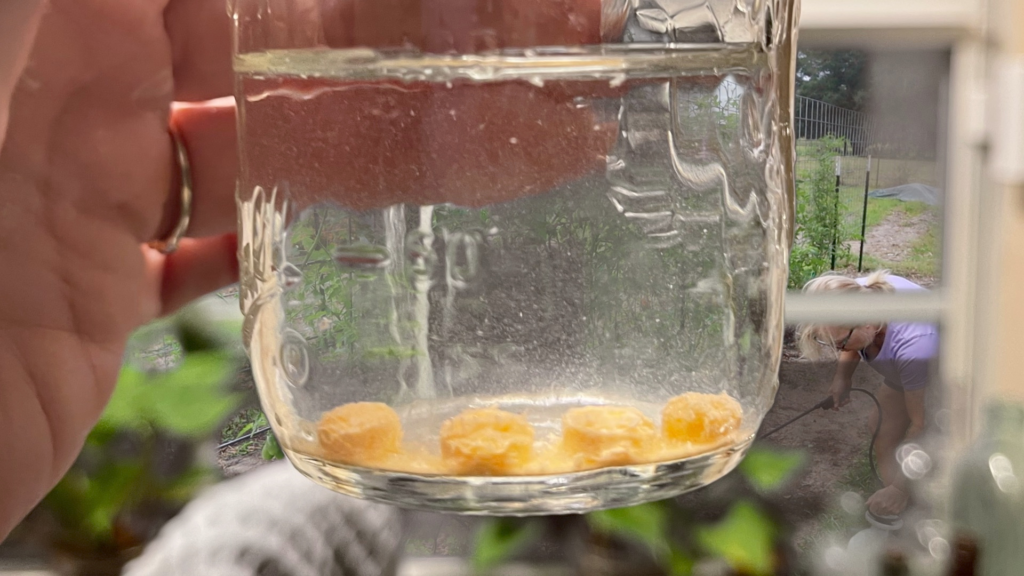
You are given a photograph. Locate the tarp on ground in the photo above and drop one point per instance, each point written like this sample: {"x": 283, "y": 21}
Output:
{"x": 909, "y": 193}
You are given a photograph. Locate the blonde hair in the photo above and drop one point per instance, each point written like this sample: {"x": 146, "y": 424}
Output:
{"x": 833, "y": 282}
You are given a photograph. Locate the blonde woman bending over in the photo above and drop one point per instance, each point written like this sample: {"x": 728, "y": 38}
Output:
{"x": 900, "y": 352}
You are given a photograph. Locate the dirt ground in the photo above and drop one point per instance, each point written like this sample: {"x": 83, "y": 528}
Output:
{"x": 893, "y": 239}
{"x": 834, "y": 440}
{"x": 234, "y": 464}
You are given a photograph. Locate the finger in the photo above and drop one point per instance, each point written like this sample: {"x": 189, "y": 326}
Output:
{"x": 198, "y": 267}
{"x": 19, "y": 22}
{"x": 200, "y": 35}
{"x": 208, "y": 134}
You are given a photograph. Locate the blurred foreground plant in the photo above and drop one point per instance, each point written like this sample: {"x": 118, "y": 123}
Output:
{"x": 733, "y": 522}
{"x": 151, "y": 451}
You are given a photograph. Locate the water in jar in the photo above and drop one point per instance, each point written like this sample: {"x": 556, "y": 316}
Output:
{"x": 534, "y": 263}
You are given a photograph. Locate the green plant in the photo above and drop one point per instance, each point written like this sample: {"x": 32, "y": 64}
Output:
{"x": 144, "y": 458}
{"x": 271, "y": 448}
{"x": 745, "y": 531}
{"x": 821, "y": 231}
{"x": 251, "y": 425}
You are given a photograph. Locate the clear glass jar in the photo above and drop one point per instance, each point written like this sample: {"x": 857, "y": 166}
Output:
{"x": 514, "y": 256}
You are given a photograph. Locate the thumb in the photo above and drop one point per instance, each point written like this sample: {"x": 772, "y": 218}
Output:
{"x": 19, "y": 22}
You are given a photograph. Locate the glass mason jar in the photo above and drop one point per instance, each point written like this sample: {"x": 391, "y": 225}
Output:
{"x": 514, "y": 256}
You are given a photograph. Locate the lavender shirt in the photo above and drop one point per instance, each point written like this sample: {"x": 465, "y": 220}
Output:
{"x": 909, "y": 348}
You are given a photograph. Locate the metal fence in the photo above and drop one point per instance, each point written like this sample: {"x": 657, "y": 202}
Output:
{"x": 867, "y": 159}
{"x": 816, "y": 119}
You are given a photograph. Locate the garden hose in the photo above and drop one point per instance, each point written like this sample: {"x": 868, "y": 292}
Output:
{"x": 243, "y": 437}
{"x": 826, "y": 404}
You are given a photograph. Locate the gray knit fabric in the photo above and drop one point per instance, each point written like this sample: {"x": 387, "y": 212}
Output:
{"x": 273, "y": 521}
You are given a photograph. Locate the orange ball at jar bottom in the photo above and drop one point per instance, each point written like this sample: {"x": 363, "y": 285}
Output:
{"x": 597, "y": 436}
{"x": 699, "y": 418}
{"x": 486, "y": 441}
{"x": 360, "y": 433}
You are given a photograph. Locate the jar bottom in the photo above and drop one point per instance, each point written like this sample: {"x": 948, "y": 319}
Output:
{"x": 572, "y": 493}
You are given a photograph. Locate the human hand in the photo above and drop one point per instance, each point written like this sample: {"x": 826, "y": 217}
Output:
{"x": 88, "y": 177}
{"x": 840, "y": 391}
{"x": 888, "y": 501}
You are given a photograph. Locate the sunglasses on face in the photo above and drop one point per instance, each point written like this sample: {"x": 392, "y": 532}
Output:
{"x": 839, "y": 344}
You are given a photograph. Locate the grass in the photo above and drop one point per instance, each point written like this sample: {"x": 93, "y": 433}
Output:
{"x": 244, "y": 423}
{"x": 924, "y": 257}
{"x": 838, "y": 524}
{"x": 922, "y": 261}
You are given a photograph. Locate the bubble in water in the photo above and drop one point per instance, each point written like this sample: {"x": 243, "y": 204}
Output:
{"x": 580, "y": 102}
{"x": 513, "y": 140}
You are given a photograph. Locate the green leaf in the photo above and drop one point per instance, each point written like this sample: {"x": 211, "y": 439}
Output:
{"x": 192, "y": 400}
{"x": 107, "y": 493}
{"x": 271, "y": 448}
{"x": 744, "y": 538}
{"x": 499, "y": 538}
{"x": 123, "y": 410}
{"x": 679, "y": 562}
{"x": 645, "y": 523}
{"x": 769, "y": 469}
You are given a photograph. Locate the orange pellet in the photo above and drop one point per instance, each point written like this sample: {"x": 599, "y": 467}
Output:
{"x": 596, "y": 436}
{"x": 486, "y": 441}
{"x": 360, "y": 433}
{"x": 700, "y": 418}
